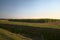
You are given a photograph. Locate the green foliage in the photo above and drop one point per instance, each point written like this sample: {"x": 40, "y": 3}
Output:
{"x": 34, "y": 20}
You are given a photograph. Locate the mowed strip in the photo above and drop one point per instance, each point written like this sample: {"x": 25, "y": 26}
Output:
{"x": 6, "y": 35}
{"x": 44, "y": 25}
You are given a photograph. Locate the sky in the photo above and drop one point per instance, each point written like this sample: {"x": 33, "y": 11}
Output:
{"x": 30, "y": 9}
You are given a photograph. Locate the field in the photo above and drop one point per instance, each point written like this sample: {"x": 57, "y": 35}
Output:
{"x": 29, "y": 29}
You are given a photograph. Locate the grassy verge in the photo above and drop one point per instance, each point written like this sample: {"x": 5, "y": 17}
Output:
{"x": 6, "y": 35}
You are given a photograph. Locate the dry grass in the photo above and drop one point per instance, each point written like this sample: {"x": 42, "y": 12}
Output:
{"x": 47, "y": 25}
{"x": 6, "y": 35}
{"x": 48, "y": 30}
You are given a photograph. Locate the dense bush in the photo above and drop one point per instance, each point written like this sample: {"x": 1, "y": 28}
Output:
{"x": 34, "y": 20}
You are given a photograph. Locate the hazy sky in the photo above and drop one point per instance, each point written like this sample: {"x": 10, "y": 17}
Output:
{"x": 30, "y": 9}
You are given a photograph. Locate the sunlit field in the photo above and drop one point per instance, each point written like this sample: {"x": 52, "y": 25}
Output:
{"x": 30, "y": 29}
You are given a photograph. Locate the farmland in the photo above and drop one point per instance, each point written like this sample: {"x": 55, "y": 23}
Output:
{"x": 30, "y": 29}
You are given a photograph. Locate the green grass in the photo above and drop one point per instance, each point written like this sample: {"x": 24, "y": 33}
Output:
{"x": 10, "y": 30}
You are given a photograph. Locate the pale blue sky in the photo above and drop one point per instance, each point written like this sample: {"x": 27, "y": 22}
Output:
{"x": 30, "y": 9}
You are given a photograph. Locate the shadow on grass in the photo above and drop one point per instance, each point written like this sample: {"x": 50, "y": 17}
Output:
{"x": 35, "y": 33}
